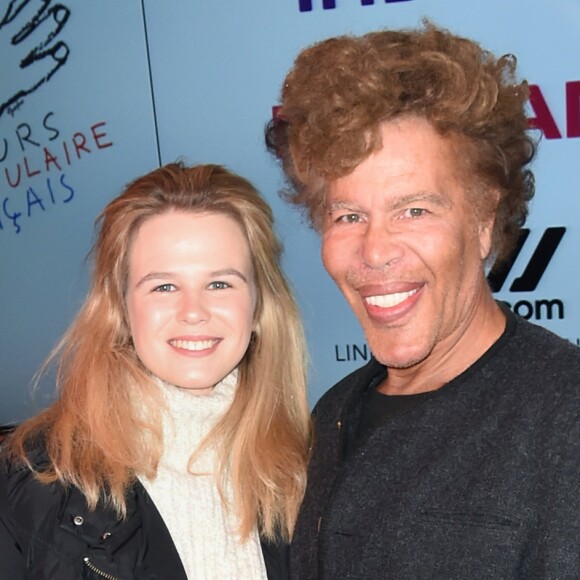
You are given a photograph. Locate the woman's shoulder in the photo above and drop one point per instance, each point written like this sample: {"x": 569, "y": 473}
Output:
{"x": 20, "y": 489}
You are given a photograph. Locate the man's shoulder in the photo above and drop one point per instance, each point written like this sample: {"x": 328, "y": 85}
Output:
{"x": 537, "y": 371}
{"x": 543, "y": 350}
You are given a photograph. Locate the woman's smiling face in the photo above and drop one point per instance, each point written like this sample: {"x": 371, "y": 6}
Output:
{"x": 190, "y": 297}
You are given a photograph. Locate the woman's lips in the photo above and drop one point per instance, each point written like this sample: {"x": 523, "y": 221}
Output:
{"x": 194, "y": 344}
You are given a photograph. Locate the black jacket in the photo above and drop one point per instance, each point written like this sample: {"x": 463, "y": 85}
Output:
{"x": 479, "y": 481}
{"x": 48, "y": 533}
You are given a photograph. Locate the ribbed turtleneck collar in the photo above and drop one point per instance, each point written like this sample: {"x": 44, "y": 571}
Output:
{"x": 189, "y": 418}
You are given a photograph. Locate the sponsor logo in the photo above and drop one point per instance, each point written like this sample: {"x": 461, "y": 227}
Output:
{"x": 307, "y": 5}
{"x": 544, "y": 119}
{"x": 536, "y": 266}
{"x": 351, "y": 352}
{"x": 528, "y": 280}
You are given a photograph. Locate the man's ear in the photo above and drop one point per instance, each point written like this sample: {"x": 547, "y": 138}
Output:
{"x": 485, "y": 238}
{"x": 486, "y": 225}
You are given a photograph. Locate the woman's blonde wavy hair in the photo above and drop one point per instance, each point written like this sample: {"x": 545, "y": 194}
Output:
{"x": 96, "y": 436}
{"x": 340, "y": 91}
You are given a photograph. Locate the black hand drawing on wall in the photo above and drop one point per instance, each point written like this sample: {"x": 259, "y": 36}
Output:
{"x": 35, "y": 26}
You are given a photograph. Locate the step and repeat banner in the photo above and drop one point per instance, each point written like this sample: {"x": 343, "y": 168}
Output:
{"x": 93, "y": 94}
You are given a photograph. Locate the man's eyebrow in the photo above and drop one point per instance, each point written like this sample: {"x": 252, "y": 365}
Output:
{"x": 342, "y": 204}
{"x": 402, "y": 201}
{"x": 423, "y": 196}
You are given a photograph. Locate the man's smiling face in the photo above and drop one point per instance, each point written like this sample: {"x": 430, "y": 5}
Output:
{"x": 403, "y": 243}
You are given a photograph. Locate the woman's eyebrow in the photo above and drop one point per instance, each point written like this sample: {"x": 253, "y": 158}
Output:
{"x": 229, "y": 272}
{"x": 153, "y": 276}
{"x": 169, "y": 275}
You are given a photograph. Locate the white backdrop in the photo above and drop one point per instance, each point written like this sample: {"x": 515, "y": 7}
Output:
{"x": 137, "y": 83}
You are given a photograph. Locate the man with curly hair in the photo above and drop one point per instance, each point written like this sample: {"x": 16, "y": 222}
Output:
{"x": 455, "y": 452}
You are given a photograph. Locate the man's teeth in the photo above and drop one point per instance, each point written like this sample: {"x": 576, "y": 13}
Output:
{"x": 389, "y": 300}
{"x": 192, "y": 344}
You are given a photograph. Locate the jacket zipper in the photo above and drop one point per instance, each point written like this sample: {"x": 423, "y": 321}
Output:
{"x": 94, "y": 569}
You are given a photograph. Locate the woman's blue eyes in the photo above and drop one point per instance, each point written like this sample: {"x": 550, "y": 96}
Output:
{"x": 218, "y": 285}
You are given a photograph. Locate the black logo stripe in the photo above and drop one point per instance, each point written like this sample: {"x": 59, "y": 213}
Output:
{"x": 499, "y": 273}
{"x": 539, "y": 261}
{"x": 536, "y": 266}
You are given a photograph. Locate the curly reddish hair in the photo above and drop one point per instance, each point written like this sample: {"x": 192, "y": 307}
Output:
{"x": 340, "y": 91}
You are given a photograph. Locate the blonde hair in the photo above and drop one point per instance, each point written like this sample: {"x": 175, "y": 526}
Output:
{"x": 98, "y": 439}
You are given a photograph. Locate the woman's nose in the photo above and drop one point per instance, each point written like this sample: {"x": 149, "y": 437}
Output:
{"x": 193, "y": 309}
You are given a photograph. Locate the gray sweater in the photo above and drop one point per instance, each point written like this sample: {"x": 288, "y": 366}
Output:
{"x": 482, "y": 480}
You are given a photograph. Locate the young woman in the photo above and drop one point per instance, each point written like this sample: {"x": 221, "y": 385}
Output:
{"x": 178, "y": 443}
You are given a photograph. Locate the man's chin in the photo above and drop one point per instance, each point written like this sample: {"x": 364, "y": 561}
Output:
{"x": 397, "y": 358}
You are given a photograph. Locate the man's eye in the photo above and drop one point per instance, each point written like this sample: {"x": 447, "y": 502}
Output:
{"x": 164, "y": 288}
{"x": 219, "y": 285}
{"x": 415, "y": 212}
{"x": 348, "y": 218}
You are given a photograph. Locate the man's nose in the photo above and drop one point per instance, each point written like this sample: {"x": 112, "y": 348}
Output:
{"x": 380, "y": 246}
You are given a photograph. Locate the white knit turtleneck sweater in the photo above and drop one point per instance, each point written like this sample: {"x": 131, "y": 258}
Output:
{"x": 203, "y": 530}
